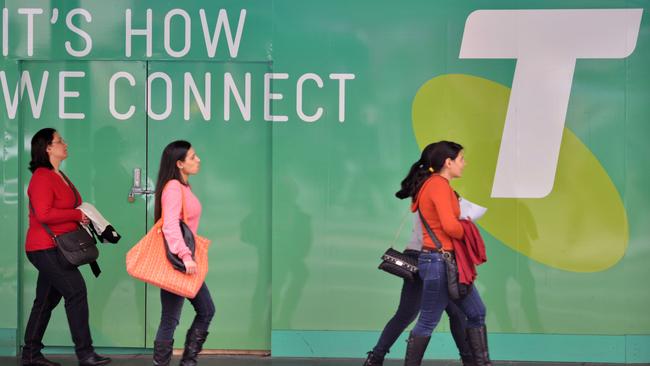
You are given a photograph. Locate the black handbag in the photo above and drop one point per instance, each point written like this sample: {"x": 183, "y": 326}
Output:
{"x": 188, "y": 237}
{"x": 399, "y": 264}
{"x": 77, "y": 247}
{"x": 457, "y": 290}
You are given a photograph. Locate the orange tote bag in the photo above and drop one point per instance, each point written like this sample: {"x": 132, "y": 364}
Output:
{"x": 147, "y": 261}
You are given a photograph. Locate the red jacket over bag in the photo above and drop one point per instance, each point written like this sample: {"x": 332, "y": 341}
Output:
{"x": 470, "y": 252}
{"x": 53, "y": 203}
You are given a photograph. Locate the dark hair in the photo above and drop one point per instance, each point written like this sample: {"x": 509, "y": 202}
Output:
{"x": 433, "y": 156}
{"x": 41, "y": 140}
{"x": 172, "y": 153}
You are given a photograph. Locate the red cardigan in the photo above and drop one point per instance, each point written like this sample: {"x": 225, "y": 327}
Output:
{"x": 53, "y": 204}
{"x": 470, "y": 252}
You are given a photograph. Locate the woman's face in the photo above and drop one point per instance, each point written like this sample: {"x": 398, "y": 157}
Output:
{"x": 191, "y": 165}
{"x": 457, "y": 165}
{"x": 58, "y": 149}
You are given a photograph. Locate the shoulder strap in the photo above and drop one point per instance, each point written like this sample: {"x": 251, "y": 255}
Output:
{"x": 431, "y": 233}
{"x": 47, "y": 228}
{"x": 400, "y": 228}
{"x": 183, "y": 213}
{"x": 74, "y": 189}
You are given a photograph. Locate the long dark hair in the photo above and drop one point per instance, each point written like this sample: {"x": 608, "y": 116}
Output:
{"x": 172, "y": 153}
{"x": 434, "y": 157}
{"x": 41, "y": 140}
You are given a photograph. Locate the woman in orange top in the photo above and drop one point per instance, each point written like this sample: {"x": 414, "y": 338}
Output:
{"x": 427, "y": 183}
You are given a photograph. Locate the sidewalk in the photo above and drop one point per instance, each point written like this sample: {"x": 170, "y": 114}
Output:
{"x": 145, "y": 360}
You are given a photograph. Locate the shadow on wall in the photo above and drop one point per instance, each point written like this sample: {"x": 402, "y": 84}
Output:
{"x": 292, "y": 276}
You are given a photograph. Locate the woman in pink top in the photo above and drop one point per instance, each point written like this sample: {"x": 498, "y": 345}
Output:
{"x": 177, "y": 163}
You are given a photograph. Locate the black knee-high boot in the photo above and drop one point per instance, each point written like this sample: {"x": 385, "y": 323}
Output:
{"x": 415, "y": 347}
{"x": 477, "y": 338}
{"x": 193, "y": 345}
{"x": 162, "y": 352}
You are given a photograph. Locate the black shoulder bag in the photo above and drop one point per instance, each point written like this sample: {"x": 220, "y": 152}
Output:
{"x": 400, "y": 264}
{"x": 77, "y": 247}
{"x": 457, "y": 290}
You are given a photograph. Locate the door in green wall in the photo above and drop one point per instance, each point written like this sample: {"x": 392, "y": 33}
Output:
{"x": 233, "y": 186}
{"x": 114, "y": 136}
{"x": 102, "y": 152}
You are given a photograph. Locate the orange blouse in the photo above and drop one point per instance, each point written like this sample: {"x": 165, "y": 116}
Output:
{"x": 441, "y": 210}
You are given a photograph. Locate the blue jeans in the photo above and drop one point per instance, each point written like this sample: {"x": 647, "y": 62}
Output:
{"x": 435, "y": 297}
{"x": 407, "y": 311}
{"x": 172, "y": 305}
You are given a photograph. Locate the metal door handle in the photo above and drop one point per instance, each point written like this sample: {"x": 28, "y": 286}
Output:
{"x": 137, "y": 189}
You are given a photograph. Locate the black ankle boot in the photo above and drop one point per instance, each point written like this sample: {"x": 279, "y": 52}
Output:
{"x": 193, "y": 345}
{"x": 477, "y": 338}
{"x": 95, "y": 360}
{"x": 374, "y": 359}
{"x": 415, "y": 347}
{"x": 162, "y": 352}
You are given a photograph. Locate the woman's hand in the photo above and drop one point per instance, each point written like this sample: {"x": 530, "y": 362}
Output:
{"x": 84, "y": 219}
{"x": 190, "y": 266}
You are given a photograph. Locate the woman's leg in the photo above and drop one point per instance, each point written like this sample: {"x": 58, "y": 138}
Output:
{"x": 434, "y": 300}
{"x": 473, "y": 307}
{"x": 198, "y": 332}
{"x": 47, "y": 298}
{"x": 434, "y": 293}
{"x": 407, "y": 311}
{"x": 204, "y": 308}
{"x": 458, "y": 325}
{"x": 170, "y": 315}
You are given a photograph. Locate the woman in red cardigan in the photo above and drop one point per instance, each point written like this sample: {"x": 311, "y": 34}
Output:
{"x": 52, "y": 199}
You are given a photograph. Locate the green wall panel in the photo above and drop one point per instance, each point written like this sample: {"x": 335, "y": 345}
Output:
{"x": 346, "y": 174}
{"x": 9, "y": 193}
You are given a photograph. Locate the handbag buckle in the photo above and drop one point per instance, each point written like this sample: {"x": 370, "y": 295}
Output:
{"x": 445, "y": 254}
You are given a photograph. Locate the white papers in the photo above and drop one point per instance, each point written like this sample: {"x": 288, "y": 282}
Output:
{"x": 471, "y": 210}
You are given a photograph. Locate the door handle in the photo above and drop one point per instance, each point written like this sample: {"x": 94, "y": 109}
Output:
{"x": 136, "y": 188}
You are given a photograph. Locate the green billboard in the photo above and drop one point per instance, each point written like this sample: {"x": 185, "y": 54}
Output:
{"x": 307, "y": 116}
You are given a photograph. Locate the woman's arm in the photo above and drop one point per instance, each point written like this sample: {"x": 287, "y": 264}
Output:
{"x": 171, "y": 203}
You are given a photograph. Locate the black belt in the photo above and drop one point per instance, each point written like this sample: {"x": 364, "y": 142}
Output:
{"x": 445, "y": 254}
{"x": 431, "y": 251}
